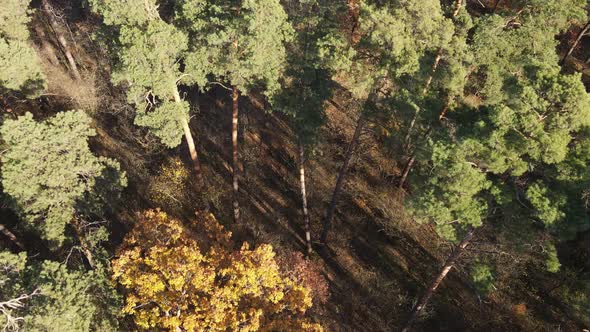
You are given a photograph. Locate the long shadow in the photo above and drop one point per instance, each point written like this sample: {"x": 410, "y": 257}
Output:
{"x": 327, "y": 256}
{"x": 372, "y": 249}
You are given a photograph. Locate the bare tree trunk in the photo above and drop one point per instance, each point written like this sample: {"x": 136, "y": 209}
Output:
{"x": 341, "y": 175}
{"x": 439, "y": 54}
{"x": 407, "y": 169}
{"x": 443, "y": 113}
{"x": 193, "y": 151}
{"x": 60, "y": 37}
{"x": 48, "y": 50}
{"x": 235, "y": 152}
{"x": 304, "y": 198}
{"x": 578, "y": 38}
{"x": 11, "y": 236}
{"x": 191, "y": 144}
{"x": 435, "y": 65}
{"x": 449, "y": 263}
{"x": 83, "y": 242}
{"x": 411, "y": 161}
{"x": 458, "y": 6}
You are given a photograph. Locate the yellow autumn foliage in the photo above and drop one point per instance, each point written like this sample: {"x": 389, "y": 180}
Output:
{"x": 178, "y": 279}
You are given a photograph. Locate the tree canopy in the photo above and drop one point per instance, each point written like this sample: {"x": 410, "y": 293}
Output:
{"x": 51, "y": 175}
{"x": 148, "y": 62}
{"x": 47, "y": 294}
{"x": 175, "y": 281}
{"x": 241, "y": 42}
{"x": 20, "y": 70}
{"x": 470, "y": 116}
{"x": 391, "y": 40}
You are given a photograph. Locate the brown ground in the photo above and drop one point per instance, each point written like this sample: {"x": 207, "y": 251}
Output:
{"x": 378, "y": 260}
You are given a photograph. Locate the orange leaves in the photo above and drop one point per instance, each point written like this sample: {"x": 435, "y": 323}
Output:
{"x": 172, "y": 281}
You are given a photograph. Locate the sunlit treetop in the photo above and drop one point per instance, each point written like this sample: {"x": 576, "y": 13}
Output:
{"x": 456, "y": 59}
{"x": 179, "y": 278}
{"x": 14, "y": 18}
{"x": 75, "y": 300}
{"x": 128, "y": 12}
{"x": 240, "y": 42}
{"x": 149, "y": 52}
{"x": 50, "y": 174}
{"x": 393, "y": 36}
{"x": 504, "y": 45}
{"x": 149, "y": 60}
{"x": 449, "y": 190}
{"x": 20, "y": 70}
{"x": 535, "y": 125}
{"x": 307, "y": 85}
{"x": 562, "y": 198}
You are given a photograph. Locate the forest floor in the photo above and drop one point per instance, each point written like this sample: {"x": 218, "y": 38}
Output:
{"x": 377, "y": 261}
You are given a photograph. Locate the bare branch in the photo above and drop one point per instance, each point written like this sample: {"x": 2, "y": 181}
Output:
{"x": 7, "y": 308}
{"x": 218, "y": 83}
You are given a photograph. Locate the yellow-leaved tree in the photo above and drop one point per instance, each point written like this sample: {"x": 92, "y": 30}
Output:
{"x": 180, "y": 280}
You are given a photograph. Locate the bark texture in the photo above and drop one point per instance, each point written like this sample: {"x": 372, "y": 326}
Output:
{"x": 304, "y": 198}
{"x": 341, "y": 176}
{"x": 11, "y": 236}
{"x": 235, "y": 153}
{"x": 449, "y": 263}
{"x": 191, "y": 144}
{"x": 60, "y": 37}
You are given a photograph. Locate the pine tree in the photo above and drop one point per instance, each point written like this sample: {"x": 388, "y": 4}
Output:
{"x": 437, "y": 280}
{"x": 174, "y": 281}
{"x": 241, "y": 43}
{"x": 20, "y": 71}
{"x": 429, "y": 94}
{"x": 306, "y": 87}
{"x": 391, "y": 38}
{"x": 503, "y": 45}
{"x": 47, "y": 295}
{"x": 514, "y": 140}
{"x": 50, "y": 174}
{"x": 149, "y": 52}
{"x": 450, "y": 193}
{"x": 515, "y": 123}
{"x": 517, "y": 115}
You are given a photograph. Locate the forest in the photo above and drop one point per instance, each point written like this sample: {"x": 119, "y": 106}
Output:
{"x": 294, "y": 165}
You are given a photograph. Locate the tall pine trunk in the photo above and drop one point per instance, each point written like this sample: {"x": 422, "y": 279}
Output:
{"x": 341, "y": 176}
{"x": 191, "y": 144}
{"x": 582, "y": 33}
{"x": 433, "y": 69}
{"x": 443, "y": 113}
{"x": 410, "y": 162}
{"x": 304, "y": 198}
{"x": 48, "y": 50}
{"x": 60, "y": 37}
{"x": 449, "y": 263}
{"x": 11, "y": 236}
{"x": 235, "y": 152}
{"x": 406, "y": 171}
{"x": 407, "y": 142}
{"x": 435, "y": 65}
